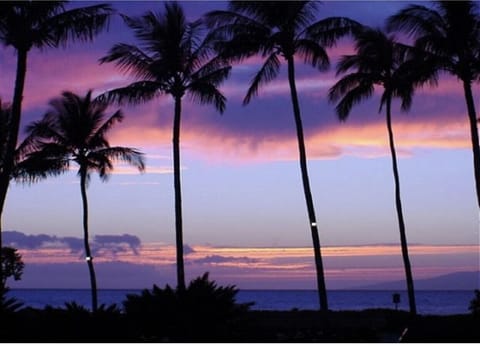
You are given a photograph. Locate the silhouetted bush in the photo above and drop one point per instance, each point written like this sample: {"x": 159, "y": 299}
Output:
{"x": 475, "y": 304}
{"x": 12, "y": 265}
{"x": 201, "y": 312}
{"x": 8, "y": 305}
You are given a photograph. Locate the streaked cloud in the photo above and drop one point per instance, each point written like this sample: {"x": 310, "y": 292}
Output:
{"x": 345, "y": 266}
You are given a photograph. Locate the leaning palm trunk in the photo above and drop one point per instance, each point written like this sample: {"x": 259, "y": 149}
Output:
{"x": 178, "y": 194}
{"x": 88, "y": 254}
{"x": 322, "y": 291}
{"x": 12, "y": 136}
{"x": 472, "y": 117}
{"x": 401, "y": 222}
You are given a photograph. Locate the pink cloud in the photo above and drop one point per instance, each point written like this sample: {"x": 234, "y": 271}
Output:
{"x": 263, "y": 267}
{"x": 367, "y": 140}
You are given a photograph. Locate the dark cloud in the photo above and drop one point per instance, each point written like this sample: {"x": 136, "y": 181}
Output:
{"x": 75, "y": 244}
{"x": 117, "y": 243}
{"x": 22, "y": 240}
{"x": 224, "y": 259}
{"x": 187, "y": 249}
{"x": 101, "y": 244}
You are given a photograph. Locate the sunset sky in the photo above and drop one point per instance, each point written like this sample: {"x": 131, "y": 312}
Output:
{"x": 245, "y": 217}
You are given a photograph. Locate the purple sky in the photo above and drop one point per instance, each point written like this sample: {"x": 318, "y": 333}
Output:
{"x": 241, "y": 179}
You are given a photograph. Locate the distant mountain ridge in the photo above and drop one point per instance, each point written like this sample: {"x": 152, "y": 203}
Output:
{"x": 452, "y": 281}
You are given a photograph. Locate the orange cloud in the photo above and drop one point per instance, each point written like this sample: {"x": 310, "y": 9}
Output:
{"x": 256, "y": 266}
{"x": 367, "y": 140}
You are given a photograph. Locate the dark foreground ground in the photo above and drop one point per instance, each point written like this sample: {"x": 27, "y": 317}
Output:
{"x": 32, "y": 325}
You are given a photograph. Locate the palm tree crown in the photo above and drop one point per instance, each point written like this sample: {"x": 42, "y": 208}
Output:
{"x": 40, "y": 24}
{"x": 74, "y": 131}
{"x": 448, "y": 35}
{"x": 171, "y": 59}
{"x": 449, "y": 32}
{"x": 379, "y": 60}
{"x": 274, "y": 30}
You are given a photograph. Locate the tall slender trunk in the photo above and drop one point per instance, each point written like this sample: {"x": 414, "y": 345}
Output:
{"x": 401, "y": 222}
{"x": 472, "y": 117}
{"x": 322, "y": 290}
{"x": 178, "y": 194}
{"x": 12, "y": 136}
{"x": 88, "y": 254}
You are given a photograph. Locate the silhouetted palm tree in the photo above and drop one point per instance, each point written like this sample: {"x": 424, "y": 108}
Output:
{"x": 449, "y": 33}
{"x": 274, "y": 30}
{"x": 74, "y": 130}
{"x": 171, "y": 59}
{"x": 39, "y": 24}
{"x": 379, "y": 60}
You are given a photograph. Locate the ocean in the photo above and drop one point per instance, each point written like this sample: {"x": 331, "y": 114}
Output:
{"x": 428, "y": 302}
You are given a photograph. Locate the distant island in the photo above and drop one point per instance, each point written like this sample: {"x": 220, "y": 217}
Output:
{"x": 452, "y": 281}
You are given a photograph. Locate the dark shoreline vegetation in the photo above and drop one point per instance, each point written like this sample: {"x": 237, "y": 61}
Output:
{"x": 75, "y": 324}
{"x": 175, "y": 57}
{"x": 206, "y": 312}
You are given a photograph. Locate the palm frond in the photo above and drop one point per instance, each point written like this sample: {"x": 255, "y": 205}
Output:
{"x": 207, "y": 93}
{"x": 313, "y": 54}
{"x": 77, "y": 24}
{"x": 223, "y": 22}
{"x": 235, "y": 36}
{"x": 43, "y": 129}
{"x": 267, "y": 73}
{"x": 328, "y": 31}
{"x": 98, "y": 139}
{"x": 416, "y": 20}
{"x": 130, "y": 59}
{"x": 101, "y": 160}
{"x": 354, "y": 96}
{"x": 213, "y": 75}
{"x": 50, "y": 159}
{"x": 347, "y": 83}
{"x": 350, "y": 62}
{"x": 134, "y": 93}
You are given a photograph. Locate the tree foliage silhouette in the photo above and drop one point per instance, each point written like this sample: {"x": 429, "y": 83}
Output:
{"x": 448, "y": 34}
{"x": 74, "y": 130}
{"x": 172, "y": 58}
{"x": 12, "y": 264}
{"x": 39, "y": 24}
{"x": 274, "y": 30}
{"x": 379, "y": 60}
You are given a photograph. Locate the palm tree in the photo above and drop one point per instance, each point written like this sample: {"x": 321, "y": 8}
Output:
{"x": 381, "y": 61}
{"x": 39, "y": 24}
{"x": 273, "y": 30}
{"x": 448, "y": 33}
{"x": 74, "y": 130}
{"x": 171, "y": 59}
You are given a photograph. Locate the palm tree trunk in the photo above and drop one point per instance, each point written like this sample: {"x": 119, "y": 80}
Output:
{"x": 472, "y": 117}
{"x": 178, "y": 194}
{"x": 12, "y": 136}
{"x": 88, "y": 254}
{"x": 401, "y": 222}
{"x": 322, "y": 291}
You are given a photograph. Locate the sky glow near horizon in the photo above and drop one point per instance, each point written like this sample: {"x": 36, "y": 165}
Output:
{"x": 240, "y": 174}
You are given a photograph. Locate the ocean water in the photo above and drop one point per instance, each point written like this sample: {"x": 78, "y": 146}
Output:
{"x": 428, "y": 302}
